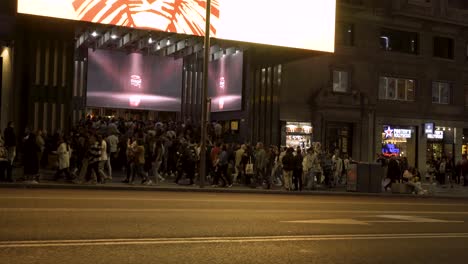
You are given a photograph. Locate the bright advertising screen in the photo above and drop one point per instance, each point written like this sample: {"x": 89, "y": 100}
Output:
{"x": 133, "y": 81}
{"x": 303, "y": 24}
{"x": 225, "y": 83}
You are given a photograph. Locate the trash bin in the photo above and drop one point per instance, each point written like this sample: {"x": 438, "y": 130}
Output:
{"x": 376, "y": 176}
{"x": 365, "y": 177}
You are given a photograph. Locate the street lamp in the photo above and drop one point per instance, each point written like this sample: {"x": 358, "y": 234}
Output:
{"x": 204, "y": 117}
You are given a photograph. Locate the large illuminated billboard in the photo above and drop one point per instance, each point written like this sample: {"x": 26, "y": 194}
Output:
{"x": 304, "y": 24}
{"x": 225, "y": 83}
{"x": 133, "y": 81}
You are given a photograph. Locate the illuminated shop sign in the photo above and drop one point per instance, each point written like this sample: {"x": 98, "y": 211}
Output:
{"x": 436, "y": 135}
{"x": 397, "y": 132}
{"x": 390, "y": 150}
{"x": 429, "y": 128}
{"x": 303, "y": 24}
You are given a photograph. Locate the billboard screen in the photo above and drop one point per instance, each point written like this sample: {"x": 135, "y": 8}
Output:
{"x": 304, "y": 24}
{"x": 134, "y": 81}
{"x": 225, "y": 83}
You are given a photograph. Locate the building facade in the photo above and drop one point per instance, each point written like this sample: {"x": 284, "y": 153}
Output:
{"x": 398, "y": 65}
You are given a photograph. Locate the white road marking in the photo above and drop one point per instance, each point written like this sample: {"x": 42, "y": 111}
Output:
{"x": 217, "y": 200}
{"x": 410, "y": 219}
{"x": 394, "y": 219}
{"x": 218, "y": 210}
{"x": 204, "y": 240}
{"x": 343, "y": 221}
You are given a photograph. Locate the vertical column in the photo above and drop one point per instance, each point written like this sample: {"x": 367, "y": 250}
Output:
{"x": 53, "y": 127}
{"x": 36, "y": 116}
{"x": 62, "y": 117}
{"x": 422, "y": 150}
{"x": 45, "y": 115}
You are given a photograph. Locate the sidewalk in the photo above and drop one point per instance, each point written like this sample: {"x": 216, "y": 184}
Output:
{"x": 46, "y": 182}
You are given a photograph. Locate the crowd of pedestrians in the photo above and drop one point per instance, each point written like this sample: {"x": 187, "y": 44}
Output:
{"x": 149, "y": 152}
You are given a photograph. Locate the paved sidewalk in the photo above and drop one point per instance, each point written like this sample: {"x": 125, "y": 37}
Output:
{"x": 46, "y": 182}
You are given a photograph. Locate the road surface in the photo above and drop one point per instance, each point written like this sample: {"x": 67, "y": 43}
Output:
{"x": 85, "y": 226}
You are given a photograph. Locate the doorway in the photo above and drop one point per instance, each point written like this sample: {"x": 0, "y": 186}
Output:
{"x": 339, "y": 137}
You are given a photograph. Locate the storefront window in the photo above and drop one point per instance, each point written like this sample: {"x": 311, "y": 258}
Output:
{"x": 440, "y": 144}
{"x": 299, "y": 134}
{"x": 399, "y": 142}
{"x": 465, "y": 141}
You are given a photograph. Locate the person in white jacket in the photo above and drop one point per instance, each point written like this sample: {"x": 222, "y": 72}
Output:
{"x": 64, "y": 153}
{"x": 307, "y": 165}
{"x": 337, "y": 168}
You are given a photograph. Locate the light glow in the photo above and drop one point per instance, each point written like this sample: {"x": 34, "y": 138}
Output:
{"x": 303, "y": 24}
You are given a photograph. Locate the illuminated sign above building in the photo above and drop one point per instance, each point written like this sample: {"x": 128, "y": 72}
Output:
{"x": 397, "y": 132}
{"x": 290, "y": 23}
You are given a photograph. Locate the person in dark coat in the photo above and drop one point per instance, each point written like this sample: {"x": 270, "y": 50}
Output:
{"x": 297, "y": 172}
{"x": 288, "y": 167}
{"x": 393, "y": 172}
{"x": 30, "y": 158}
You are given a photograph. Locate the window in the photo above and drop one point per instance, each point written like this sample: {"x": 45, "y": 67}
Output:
{"x": 420, "y": 2}
{"x": 458, "y": 4}
{"x": 466, "y": 51}
{"x": 396, "y": 89}
{"x": 441, "y": 93}
{"x": 443, "y": 47}
{"x": 351, "y": 2}
{"x": 340, "y": 81}
{"x": 399, "y": 41}
{"x": 345, "y": 34}
{"x": 466, "y": 95}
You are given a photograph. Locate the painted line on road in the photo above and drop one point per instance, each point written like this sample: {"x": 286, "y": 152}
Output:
{"x": 205, "y": 240}
{"x": 216, "y": 200}
{"x": 218, "y": 210}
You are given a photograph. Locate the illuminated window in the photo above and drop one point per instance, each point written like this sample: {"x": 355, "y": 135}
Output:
{"x": 397, "y": 89}
{"x": 340, "y": 81}
{"x": 441, "y": 92}
{"x": 399, "y": 41}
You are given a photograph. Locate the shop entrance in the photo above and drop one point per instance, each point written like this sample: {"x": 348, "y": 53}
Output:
{"x": 299, "y": 134}
{"x": 440, "y": 144}
{"x": 400, "y": 142}
{"x": 339, "y": 137}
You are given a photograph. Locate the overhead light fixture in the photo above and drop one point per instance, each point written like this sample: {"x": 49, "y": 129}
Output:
{"x": 113, "y": 36}
{"x": 158, "y": 47}
{"x": 150, "y": 40}
{"x": 168, "y": 42}
{"x": 94, "y": 34}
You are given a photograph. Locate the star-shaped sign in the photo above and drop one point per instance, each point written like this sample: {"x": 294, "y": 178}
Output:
{"x": 388, "y": 132}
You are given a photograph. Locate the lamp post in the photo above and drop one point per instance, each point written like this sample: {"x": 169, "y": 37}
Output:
{"x": 204, "y": 117}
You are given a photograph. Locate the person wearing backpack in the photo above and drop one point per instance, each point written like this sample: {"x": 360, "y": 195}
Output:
{"x": 288, "y": 167}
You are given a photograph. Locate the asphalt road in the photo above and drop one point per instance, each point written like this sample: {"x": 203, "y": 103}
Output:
{"x": 83, "y": 226}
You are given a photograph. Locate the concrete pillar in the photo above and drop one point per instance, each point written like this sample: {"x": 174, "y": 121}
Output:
{"x": 458, "y": 131}
{"x": 6, "y": 86}
{"x": 422, "y": 150}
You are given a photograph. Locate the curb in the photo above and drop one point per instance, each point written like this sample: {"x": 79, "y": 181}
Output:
{"x": 217, "y": 190}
